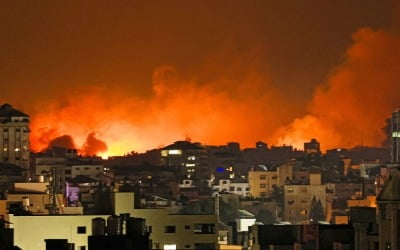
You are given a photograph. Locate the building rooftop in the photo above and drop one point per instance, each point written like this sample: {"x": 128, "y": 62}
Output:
{"x": 6, "y": 110}
{"x": 391, "y": 189}
{"x": 184, "y": 145}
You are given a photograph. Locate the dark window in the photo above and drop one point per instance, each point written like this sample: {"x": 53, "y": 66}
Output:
{"x": 81, "y": 230}
{"x": 262, "y": 185}
{"x": 169, "y": 229}
{"x": 187, "y": 246}
{"x": 262, "y": 177}
{"x": 204, "y": 229}
{"x": 68, "y": 171}
{"x": 187, "y": 227}
{"x": 231, "y": 188}
{"x": 239, "y": 189}
{"x": 82, "y": 248}
{"x": 86, "y": 168}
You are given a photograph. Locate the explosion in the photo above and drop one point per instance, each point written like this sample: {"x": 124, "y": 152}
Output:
{"x": 240, "y": 104}
{"x": 351, "y": 108}
{"x": 113, "y": 122}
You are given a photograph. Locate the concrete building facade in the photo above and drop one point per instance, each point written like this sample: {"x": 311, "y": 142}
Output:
{"x": 261, "y": 182}
{"x": 14, "y": 136}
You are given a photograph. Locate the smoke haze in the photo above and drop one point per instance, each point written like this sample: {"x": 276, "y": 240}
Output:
{"x": 109, "y": 78}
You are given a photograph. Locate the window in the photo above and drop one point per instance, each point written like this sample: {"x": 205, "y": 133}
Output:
{"x": 290, "y": 190}
{"x": 231, "y": 188}
{"x": 81, "y": 230}
{"x": 204, "y": 228}
{"x": 263, "y": 186}
{"x": 77, "y": 168}
{"x": 263, "y": 177}
{"x": 274, "y": 177}
{"x": 169, "y": 229}
{"x": 187, "y": 227}
{"x": 68, "y": 171}
{"x": 187, "y": 246}
{"x": 86, "y": 168}
{"x": 239, "y": 189}
{"x": 303, "y": 212}
{"x": 224, "y": 182}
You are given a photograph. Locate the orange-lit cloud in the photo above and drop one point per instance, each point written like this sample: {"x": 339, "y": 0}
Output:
{"x": 351, "y": 108}
{"x": 238, "y": 103}
{"x": 240, "y": 107}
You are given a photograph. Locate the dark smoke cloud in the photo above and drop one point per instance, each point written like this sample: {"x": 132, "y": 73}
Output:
{"x": 93, "y": 145}
{"x": 64, "y": 141}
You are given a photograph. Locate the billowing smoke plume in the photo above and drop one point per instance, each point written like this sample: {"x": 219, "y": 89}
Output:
{"x": 236, "y": 103}
{"x": 93, "y": 145}
{"x": 350, "y": 109}
{"x": 240, "y": 106}
{"x": 64, "y": 141}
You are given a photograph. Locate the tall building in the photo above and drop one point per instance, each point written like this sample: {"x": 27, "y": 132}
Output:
{"x": 14, "y": 136}
{"x": 396, "y": 135}
{"x": 190, "y": 158}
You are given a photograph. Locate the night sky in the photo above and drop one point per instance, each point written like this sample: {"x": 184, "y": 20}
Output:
{"x": 117, "y": 76}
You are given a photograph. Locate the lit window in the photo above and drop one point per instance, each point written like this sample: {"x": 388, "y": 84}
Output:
{"x": 396, "y": 134}
{"x": 16, "y": 149}
{"x": 5, "y": 149}
{"x": 164, "y": 153}
{"x": 175, "y": 152}
{"x": 169, "y": 247}
{"x": 191, "y": 158}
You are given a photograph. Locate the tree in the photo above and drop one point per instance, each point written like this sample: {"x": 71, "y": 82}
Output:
{"x": 316, "y": 211}
{"x": 265, "y": 216}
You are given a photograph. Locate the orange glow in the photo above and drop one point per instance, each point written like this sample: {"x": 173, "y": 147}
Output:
{"x": 241, "y": 105}
{"x": 212, "y": 113}
{"x": 351, "y": 108}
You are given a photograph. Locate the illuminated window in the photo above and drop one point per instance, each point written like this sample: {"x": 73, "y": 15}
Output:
{"x": 175, "y": 152}
{"x": 191, "y": 158}
{"x": 170, "y": 247}
{"x": 290, "y": 190}
{"x": 164, "y": 153}
{"x": 396, "y": 134}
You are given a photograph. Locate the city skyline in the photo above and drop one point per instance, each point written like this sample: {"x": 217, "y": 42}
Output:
{"x": 128, "y": 76}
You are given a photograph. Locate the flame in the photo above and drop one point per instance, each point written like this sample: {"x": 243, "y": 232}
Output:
{"x": 239, "y": 104}
{"x": 215, "y": 112}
